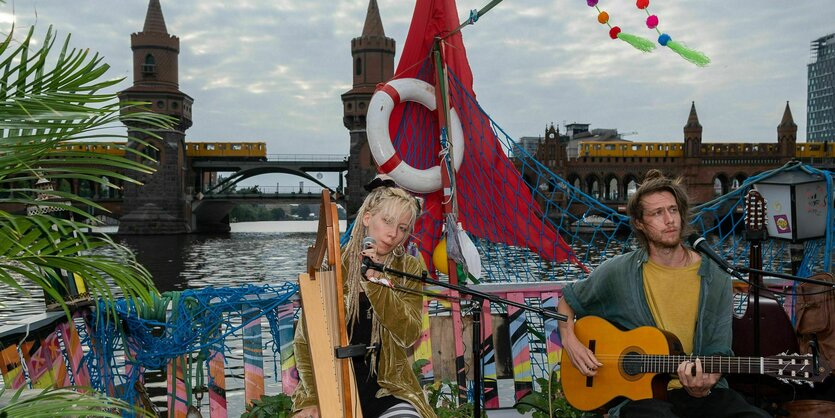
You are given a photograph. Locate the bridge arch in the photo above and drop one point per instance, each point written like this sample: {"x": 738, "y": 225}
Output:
{"x": 593, "y": 186}
{"x": 630, "y": 185}
{"x": 246, "y": 173}
{"x": 721, "y": 184}
{"x": 86, "y": 188}
{"x": 574, "y": 180}
{"x": 612, "y": 187}
{"x": 737, "y": 180}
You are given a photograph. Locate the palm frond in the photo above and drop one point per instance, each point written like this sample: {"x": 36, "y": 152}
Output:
{"x": 69, "y": 402}
{"x": 54, "y": 111}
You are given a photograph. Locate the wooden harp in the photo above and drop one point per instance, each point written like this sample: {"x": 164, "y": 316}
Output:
{"x": 324, "y": 316}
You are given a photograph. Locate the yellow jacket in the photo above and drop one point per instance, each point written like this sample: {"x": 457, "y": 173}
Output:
{"x": 399, "y": 314}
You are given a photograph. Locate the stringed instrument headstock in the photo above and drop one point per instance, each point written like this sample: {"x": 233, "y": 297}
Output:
{"x": 755, "y": 216}
{"x": 796, "y": 368}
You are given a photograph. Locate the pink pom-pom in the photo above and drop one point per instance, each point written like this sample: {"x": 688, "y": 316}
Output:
{"x": 652, "y": 21}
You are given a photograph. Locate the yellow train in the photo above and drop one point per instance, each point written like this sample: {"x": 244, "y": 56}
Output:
{"x": 630, "y": 149}
{"x": 668, "y": 149}
{"x": 112, "y": 148}
{"x": 227, "y": 149}
{"x": 814, "y": 150}
{"x": 193, "y": 149}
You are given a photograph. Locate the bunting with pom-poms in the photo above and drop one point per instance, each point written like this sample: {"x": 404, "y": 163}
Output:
{"x": 696, "y": 57}
{"x": 639, "y": 43}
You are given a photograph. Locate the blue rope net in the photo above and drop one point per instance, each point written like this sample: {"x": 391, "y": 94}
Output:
{"x": 593, "y": 230}
{"x": 192, "y": 324}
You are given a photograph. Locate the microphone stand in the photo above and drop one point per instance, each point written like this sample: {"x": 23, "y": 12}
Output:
{"x": 787, "y": 276}
{"x": 761, "y": 274}
{"x": 478, "y": 299}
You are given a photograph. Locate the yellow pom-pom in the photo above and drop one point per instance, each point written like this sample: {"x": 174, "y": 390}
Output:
{"x": 439, "y": 257}
{"x": 603, "y": 17}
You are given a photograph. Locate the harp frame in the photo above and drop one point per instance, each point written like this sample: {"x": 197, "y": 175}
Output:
{"x": 323, "y": 302}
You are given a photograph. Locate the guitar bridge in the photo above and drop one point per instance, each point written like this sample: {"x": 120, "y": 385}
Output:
{"x": 590, "y": 379}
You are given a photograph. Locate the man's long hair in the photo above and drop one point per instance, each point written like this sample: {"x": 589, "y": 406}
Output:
{"x": 654, "y": 182}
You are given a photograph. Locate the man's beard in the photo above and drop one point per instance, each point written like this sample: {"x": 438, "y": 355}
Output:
{"x": 656, "y": 240}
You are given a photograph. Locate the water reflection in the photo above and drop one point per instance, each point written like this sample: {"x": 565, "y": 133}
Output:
{"x": 254, "y": 252}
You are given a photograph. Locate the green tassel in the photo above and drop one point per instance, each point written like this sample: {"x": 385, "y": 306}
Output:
{"x": 691, "y": 55}
{"x": 641, "y": 44}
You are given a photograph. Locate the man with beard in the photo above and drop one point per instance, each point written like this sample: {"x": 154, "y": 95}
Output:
{"x": 666, "y": 285}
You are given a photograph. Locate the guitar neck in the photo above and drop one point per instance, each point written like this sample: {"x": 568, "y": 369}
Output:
{"x": 710, "y": 364}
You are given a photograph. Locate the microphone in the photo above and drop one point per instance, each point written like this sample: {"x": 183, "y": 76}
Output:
{"x": 699, "y": 243}
{"x": 367, "y": 243}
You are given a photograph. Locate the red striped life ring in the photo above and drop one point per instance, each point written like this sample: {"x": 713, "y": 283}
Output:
{"x": 377, "y": 126}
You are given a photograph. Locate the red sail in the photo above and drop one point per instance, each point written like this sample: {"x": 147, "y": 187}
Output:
{"x": 494, "y": 202}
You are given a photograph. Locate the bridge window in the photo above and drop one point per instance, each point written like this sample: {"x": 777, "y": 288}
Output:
{"x": 85, "y": 189}
{"x": 595, "y": 189}
{"x": 718, "y": 187}
{"x": 631, "y": 188}
{"x": 150, "y": 65}
{"x": 613, "y": 189}
{"x": 358, "y": 66}
{"x": 64, "y": 186}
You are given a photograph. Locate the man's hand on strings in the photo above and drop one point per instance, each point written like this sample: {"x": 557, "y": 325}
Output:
{"x": 696, "y": 382}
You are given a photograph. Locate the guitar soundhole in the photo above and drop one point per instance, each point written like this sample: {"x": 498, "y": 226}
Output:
{"x": 632, "y": 363}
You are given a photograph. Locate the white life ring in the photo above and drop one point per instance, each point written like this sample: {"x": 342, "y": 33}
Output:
{"x": 377, "y": 126}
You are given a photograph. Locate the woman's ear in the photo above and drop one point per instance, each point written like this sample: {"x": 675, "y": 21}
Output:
{"x": 366, "y": 219}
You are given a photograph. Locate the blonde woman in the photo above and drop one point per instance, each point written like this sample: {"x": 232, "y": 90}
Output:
{"x": 378, "y": 316}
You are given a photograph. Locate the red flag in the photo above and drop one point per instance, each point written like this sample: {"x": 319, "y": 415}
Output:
{"x": 494, "y": 202}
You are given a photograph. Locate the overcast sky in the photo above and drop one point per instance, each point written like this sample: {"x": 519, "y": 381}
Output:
{"x": 273, "y": 70}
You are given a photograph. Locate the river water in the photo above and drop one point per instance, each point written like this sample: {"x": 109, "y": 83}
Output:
{"x": 253, "y": 252}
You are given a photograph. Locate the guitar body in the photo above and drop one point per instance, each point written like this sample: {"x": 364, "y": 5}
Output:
{"x": 614, "y": 379}
{"x": 638, "y": 364}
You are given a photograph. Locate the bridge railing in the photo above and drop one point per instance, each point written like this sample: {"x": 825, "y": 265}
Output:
{"x": 307, "y": 157}
{"x": 270, "y": 190}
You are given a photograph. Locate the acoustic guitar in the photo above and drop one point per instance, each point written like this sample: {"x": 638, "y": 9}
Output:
{"x": 637, "y": 364}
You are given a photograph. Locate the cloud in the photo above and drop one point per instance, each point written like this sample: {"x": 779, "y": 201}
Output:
{"x": 274, "y": 70}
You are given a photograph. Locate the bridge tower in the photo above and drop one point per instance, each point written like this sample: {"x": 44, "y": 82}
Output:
{"x": 787, "y": 135}
{"x": 161, "y": 205}
{"x": 692, "y": 134}
{"x": 373, "y": 63}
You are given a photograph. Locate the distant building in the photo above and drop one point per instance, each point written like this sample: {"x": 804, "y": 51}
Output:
{"x": 572, "y": 147}
{"x": 574, "y": 129}
{"x": 527, "y": 143}
{"x": 600, "y": 163}
{"x": 820, "y": 114}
